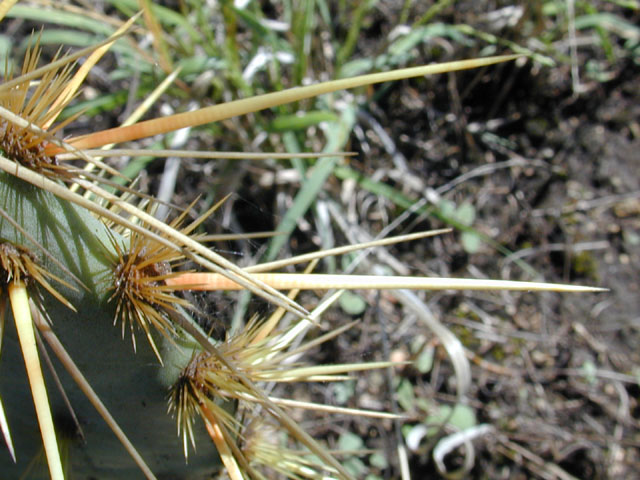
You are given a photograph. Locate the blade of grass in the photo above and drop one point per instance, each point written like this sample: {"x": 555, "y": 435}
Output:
{"x": 4, "y": 425}
{"x": 360, "y": 10}
{"x": 55, "y": 16}
{"x": 260, "y": 102}
{"x": 157, "y": 34}
{"x": 5, "y": 6}
{"x": 337, "y": 137}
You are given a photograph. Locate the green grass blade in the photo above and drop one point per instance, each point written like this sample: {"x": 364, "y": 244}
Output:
{"x": 311, "y": 187}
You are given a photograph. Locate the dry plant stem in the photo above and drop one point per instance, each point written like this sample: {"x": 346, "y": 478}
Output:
{"x": 60, "y": 63}
{"x": 287, "y": 281}
{"x": 162, "y": 153}
{"x": 308, "y": 257}
{"x": 4, "y": 425}
{"x": 260, "y": 102}
{"x": 5, "y": 6}
{"x": 157, "y": 35}
{"x": 221, "y": 445}
{"x": 24, "y": 326}
{"x": 66, "y": 360}
{"x": 73, "y": 85}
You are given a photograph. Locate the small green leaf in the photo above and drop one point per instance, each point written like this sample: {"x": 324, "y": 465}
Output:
{"x": 463, "y": 417}
{"x": 352, "y": 303}
{"x": 471, "y": 242}
{"x": 447, "y": 208}
{"x": 350, "y": 442}
{"x": 460, "y": 416}
{"x": 406, "y": 398}
{"x": 355, "y": 466}
{"x": 424, "y": 362}
{"x": 342, "y": 392}
{"x": 378, "y": 460}
{"x": 466, "y": 213}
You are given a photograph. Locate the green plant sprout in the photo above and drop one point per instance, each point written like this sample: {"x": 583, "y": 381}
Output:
{"x": 75, "y": 257}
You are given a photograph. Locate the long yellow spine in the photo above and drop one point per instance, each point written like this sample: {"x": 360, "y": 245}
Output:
{"x": 289, "y": 281}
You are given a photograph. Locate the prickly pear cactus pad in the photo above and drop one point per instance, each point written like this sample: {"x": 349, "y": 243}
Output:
{"x": 132, "y": 385}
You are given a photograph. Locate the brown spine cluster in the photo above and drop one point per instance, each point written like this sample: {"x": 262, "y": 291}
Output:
{"x": 25, "y": 147}
{"x": 14, "y": 264}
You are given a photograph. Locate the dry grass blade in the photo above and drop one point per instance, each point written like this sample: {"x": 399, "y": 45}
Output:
{"x": 5, "y": 6}
{"x": 260, "y": 102}
{"x": 24, "y": 326}
{"x": 72, "y": 86}
{"x": 4, "y": 425}
{"x": 287, "y": 281}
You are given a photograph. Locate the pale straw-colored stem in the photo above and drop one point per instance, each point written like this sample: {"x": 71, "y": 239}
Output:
{"x": 73, "y": 84}
{"x": 223, "y": 111}
{"x": 4, "y": 424}
{"x": 287, "y": 281}
{"x": 221, "y": 445}
{"x": 24, "y": 326}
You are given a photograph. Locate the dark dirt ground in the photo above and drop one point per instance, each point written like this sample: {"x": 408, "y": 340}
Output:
{"x": 571, "y": 209}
